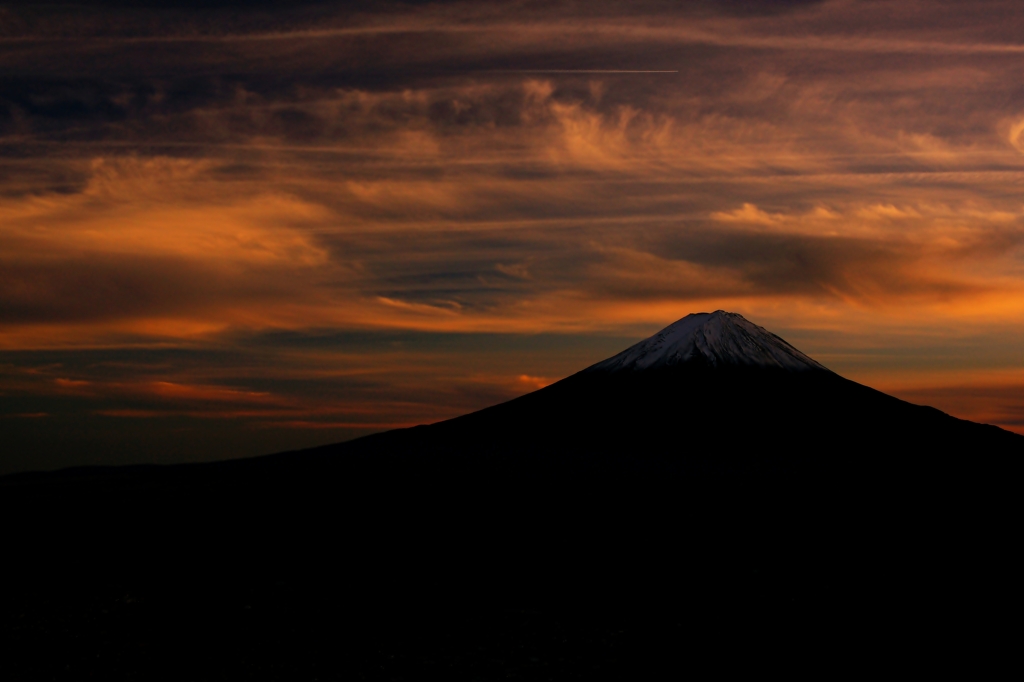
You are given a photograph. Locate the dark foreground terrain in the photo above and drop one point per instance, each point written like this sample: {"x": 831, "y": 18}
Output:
{"x": 690, "y": 522}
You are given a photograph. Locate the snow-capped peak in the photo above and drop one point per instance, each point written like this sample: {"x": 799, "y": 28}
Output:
{"x": 717, "y": 339}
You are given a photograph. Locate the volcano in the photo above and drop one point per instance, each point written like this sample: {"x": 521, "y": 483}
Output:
{"x": 710, "y": 489}
{"x": 712, "y": 394}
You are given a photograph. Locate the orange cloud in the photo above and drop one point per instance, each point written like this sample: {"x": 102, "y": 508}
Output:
{"x": 173, "y": 391}
{"x": 457, "y": 178}
{"x": 535, "y": 382}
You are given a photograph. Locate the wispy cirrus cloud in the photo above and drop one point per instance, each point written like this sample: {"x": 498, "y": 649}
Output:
{"x": 176, "y": 180}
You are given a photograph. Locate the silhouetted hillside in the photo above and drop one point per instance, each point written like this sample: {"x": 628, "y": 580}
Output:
{"x": 708, "y": 490}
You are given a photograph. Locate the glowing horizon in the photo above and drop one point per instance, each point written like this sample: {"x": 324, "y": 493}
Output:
{"x": 239, "y": 230}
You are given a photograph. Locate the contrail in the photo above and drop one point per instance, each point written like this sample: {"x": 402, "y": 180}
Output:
{"x": 573, "y": 71}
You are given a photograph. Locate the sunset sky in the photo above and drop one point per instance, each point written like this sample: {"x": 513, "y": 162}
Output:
{"x": 233, "y": 228}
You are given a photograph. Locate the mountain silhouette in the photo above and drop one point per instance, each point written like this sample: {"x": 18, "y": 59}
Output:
{"x": 711, "y": 394}
{"x": 710, "y": 481}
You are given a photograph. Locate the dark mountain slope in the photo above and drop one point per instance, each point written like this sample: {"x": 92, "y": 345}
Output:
{"x": 711, "y": 487}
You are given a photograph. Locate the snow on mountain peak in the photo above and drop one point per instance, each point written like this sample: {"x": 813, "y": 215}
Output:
{"x": 717, "y": 339}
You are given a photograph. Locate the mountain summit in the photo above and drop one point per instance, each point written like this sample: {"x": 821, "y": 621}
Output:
{"x": 717, "y": 339}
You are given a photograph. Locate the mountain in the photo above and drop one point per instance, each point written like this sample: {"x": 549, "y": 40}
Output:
{"x": 712, "y": 394}
{"x": 709, "y": 490}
